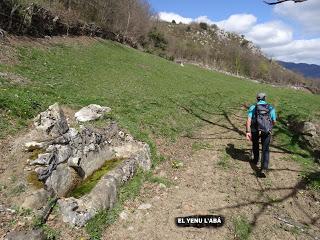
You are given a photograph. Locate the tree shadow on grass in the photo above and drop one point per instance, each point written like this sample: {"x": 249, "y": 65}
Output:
{"x": 263, "y": 205}
{"x": 231, "y": 126}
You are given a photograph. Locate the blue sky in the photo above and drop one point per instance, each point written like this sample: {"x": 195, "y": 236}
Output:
{"x": 217, "y": 10}
{"x": 288, "y": 31}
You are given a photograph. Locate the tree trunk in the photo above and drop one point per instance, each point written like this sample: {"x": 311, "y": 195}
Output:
{"x": 13, "y": 10}
{"x": 129, "y": 18}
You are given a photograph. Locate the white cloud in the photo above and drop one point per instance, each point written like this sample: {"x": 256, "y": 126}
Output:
{"x": 204, "y": 19}
{"x": 306, "y": 13}
{"x": 297, "y": 51}
{"x": 238, "y": 23}
{"x": 270, "y": 34}
{"x": 169, "y": 17}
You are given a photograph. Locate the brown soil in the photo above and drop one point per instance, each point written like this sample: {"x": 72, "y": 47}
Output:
{"x": 216, "y": 178}
{"x": 219, "y": 180}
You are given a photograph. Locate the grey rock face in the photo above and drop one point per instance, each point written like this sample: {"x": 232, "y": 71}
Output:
{"x": 310, "y": 135}
{"x": 72, "y": 213}
{"x": 62, "y": 180}
{"x": 138, "y": 149}
{"x": 91, "y": 112}
{"x": 36, "y": 200}
{"x": 93, "y": 160}
{"x": 52, "y": 121}
{"x": 103, "y": 196}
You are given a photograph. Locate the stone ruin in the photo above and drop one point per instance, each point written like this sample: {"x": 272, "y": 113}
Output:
{"x": 70, "y": 155}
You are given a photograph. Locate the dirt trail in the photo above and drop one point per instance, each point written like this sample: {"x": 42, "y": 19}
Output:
{"x": 218, "y": 179}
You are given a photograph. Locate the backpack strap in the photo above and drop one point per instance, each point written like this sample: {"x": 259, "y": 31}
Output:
{"x": 255, "y": 121}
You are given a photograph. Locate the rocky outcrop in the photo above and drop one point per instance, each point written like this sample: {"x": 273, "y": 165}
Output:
{"x": 104, "y": 195}
{"x": 71, "y": 155}
{"x": 310, "y": 136}
{"x": 52, "y": 122}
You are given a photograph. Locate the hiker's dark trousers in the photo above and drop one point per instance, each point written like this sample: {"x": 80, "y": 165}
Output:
{"x": 265, "y": 142}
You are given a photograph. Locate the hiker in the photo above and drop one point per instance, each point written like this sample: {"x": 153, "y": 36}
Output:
{"x": 261, "y": 119}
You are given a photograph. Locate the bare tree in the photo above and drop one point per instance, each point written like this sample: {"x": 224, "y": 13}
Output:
{"x": 281, "y": 1}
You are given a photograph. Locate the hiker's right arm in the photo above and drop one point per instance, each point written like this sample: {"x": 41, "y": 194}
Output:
{"x": 248, "y": 124}
{"x": 248, "y": 129}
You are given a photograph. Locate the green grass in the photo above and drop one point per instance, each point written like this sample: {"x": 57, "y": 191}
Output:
{"x": 149, "y": 177}
{"x": 224, "y": 161}
{"x": 242, "y": 228}
{"x": 148, "y": 94}
{"x": 196, "y": 146}
{"x": 87, "y": 185}
{"x": 98, "y": 223}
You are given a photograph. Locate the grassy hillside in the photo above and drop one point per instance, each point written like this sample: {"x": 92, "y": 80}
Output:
{"x": 147, "y": 94}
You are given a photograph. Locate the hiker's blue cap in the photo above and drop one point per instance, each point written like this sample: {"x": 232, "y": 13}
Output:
{"x": 261, "y": 96}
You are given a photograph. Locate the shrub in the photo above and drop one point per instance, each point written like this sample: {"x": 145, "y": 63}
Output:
{"x": 203, "y": 26}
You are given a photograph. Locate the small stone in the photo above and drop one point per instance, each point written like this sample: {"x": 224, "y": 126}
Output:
{"x": 11, "y": 210}
{"x": 91, "y": 112}
{"x": 130, "y": 228}
{"x": 121, "y": 135}
{"x": 31, "y": 146}
{"x": 145, "y": 206}
{"x": 161, "y": 185}
{"x": 124, "y": 215}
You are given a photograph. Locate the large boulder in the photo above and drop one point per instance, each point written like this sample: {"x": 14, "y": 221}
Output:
{"x": 310, "y": 136}
{"x": 91, "y": 112}
{"x": 52, "y": 122}
{"x": 36, "y": 200}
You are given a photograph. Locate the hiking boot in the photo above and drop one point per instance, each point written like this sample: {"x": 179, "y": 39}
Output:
{"x": 263, "y": 173}
{"x": 254, "y": 162}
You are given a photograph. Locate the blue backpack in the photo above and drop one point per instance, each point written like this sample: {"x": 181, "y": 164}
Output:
{"x": 262, "y": 120}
